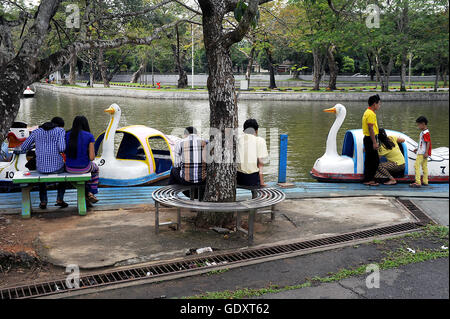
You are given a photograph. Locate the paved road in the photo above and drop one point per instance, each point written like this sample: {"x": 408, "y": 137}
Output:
{"x": 426, "y": 280}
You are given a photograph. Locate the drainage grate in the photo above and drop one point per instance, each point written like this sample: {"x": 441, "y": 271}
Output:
{"x": 209, "y": 261}
{"x": 423, "y": 218}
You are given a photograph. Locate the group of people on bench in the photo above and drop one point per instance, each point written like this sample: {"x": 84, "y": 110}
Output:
{"x": 190, "y": 156}
{"x": 57, "y": 151}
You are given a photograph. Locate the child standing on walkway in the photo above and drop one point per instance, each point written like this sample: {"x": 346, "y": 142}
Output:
{"x": 423, "y": 151}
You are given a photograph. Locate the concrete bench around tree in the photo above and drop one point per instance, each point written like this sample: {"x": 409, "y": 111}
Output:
{"x": 26, "y": 183}
{"x": 261, "y": 198}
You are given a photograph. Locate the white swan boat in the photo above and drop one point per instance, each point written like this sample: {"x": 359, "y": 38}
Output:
{"x": 11, "y": 163}
{"x": 28, "y": 92}
{"x": 144, "y": 155}
{"x": 349, "y": 165}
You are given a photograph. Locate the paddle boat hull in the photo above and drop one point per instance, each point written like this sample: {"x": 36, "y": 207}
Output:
{"x": 351, "y": 166}
{"x": 28, "y": 93}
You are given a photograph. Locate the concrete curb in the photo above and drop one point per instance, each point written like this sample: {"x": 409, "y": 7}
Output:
{"x": 269, "y": 96}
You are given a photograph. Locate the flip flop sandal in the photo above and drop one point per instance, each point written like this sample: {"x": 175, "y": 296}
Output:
{"x": 92, "y": 198}
{"x": 43, "y": 205}
{"x": 414, "y": 185}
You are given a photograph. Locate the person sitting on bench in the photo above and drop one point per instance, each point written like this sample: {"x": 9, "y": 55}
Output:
{"x": 190, "y": 160}
{"x": 50, "y": 143}
{"x": 251, "y": 152}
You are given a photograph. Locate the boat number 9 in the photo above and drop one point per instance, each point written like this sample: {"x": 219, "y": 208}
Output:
{"x": 102, "y": 162}
{"x": 9, "y": 175}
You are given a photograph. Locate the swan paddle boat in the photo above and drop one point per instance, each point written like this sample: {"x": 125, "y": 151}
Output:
{"x": 349, "y": 165}
{"x": 28, "y": 92}
{"x": 11, "y": 163}
{"x": 144, "y": 155}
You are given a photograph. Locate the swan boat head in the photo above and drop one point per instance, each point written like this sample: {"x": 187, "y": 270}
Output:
{"x": 331, "y": 161}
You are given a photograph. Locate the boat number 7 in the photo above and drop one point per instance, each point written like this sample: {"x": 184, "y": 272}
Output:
{"x": 102, "y": 162}
{"x": 443, "y": 169}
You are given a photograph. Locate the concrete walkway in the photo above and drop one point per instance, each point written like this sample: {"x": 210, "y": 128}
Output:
{"x": 246, "y": 95}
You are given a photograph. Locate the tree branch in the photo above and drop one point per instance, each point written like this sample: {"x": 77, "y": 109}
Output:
{"x": 241, "y": 29}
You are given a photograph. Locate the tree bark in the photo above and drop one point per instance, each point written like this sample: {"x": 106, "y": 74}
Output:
{"x": 91, "y": 70}
{"x": 136, "y": 75}
{"x": 436, "y": 79}
{"x": 20, "y": 71}
{"x": 317, "y": 68}
{"x": 72, "y": 69}
{"x": 404, "y": 61}
{"x": 221, "y": 169}
{"x": 444, "y": 75}
{"x": 248, "y": 72}
{"x": 386, "y": 69}
{"x": 332, "y": 66}
{"x": 179, "y": 62}
{"x": 221, "y": 172}
{"x": 272, "y": 84}
{"x": 103, "y": 69}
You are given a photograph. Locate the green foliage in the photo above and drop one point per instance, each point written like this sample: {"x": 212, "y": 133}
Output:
{"x": 348, "y": 64}
{"x": 239, "y": 12}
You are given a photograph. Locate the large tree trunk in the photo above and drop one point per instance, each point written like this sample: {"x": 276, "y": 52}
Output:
{"x": 136, "y": 75}
{"x": 72, "y": 69}
{"x": 22, "y": 69}
{"x": 404, "y": 61}
{"x": 332, "y": 66}
{"x": 444, "y": 75}
{"x": 436, "y": 79}
{"x": 179, "y": 62}
{"x": 317, "y": 68}
{"x": 386, "y": 69}
{"x": 248, "y": 72}
{"x": 221, "y": 172}
{"x": 91, "y": 71}
{"x": 272, "y": 84}
{"x": 103, "y": 69}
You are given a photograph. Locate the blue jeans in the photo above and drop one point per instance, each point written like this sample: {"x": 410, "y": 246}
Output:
{"x": 43, "y": 189}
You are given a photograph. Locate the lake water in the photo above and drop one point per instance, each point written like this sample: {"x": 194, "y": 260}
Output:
{"x": 304, "y": 122}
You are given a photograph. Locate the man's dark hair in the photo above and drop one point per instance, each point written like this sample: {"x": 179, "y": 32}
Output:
{"x": 422, "y": 119}
{"x": 251, "y": 124}
{"x": 58, "y": 121}
{"x": 374, "y": 99}
{"x": 190, "y": 130}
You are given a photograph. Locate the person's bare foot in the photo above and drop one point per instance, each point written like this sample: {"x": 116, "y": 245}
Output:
{"x": 391, "y": 182}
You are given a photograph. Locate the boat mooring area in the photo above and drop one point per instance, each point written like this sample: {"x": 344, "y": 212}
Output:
{"x": 119, "y": 230}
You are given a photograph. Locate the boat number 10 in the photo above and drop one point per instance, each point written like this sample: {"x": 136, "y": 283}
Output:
{"x": 9, "y": 175}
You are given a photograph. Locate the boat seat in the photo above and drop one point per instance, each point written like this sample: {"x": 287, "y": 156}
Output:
{"x": 14, "y": 141}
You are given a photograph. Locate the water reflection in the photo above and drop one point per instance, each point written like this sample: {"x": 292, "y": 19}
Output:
{"x": 304, "y": 122}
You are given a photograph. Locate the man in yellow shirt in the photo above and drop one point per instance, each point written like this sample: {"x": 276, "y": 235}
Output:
{"x": 370, "y": 131}
{"x": 251, "y": 153}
